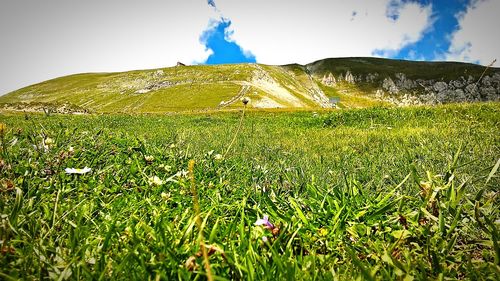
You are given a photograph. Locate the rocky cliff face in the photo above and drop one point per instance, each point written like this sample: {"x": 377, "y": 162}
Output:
{"x": 400, "y": 90}
{"x": 408, "y": 82}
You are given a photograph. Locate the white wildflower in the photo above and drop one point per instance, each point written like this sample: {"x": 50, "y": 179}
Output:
{"x": 155, "y": 181}
{"x": 165, "y": 195}
{"x": 77, "y": 171}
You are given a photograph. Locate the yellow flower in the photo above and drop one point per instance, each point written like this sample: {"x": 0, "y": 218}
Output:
{"x": 322, "y": 232}
{"x": 49, "y": 141}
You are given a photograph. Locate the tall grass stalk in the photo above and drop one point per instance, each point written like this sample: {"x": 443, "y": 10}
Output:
{"x": 237, "y": 130}
{"x": 196, "y": 204}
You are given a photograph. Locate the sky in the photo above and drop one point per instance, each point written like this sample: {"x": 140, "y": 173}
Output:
{"x": 41, "y": 40}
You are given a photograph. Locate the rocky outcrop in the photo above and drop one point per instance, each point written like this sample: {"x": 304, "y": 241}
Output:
{"x": 371, "y": 77}
{"x": 401, "y": 90}
{"x": 349, "y": 78}
{"x": 389, "y": 86}
{"x": 329, "y": 80}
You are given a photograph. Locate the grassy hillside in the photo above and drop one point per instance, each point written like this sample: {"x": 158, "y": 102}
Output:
{"x": 202, "y": 88}
{"x": 169, "y": 89}
{"x": 389, "y": 194}
{"x": 386, "y": 68}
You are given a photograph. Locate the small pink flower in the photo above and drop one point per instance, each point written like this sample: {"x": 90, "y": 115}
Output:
{"x": 265, "y": 222}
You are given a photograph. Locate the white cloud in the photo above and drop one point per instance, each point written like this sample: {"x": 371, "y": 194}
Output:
{"x": 45, "y": 39}
{"x": 477, "y": 38}
{"x": 279, "y": 32}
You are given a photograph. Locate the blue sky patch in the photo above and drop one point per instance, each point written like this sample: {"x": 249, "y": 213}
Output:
{"x": 223, "y": 49}
{"x": 436, "y": 41}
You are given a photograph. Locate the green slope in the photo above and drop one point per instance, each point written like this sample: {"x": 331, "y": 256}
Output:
{"x": 198, "y": 88}
{"x": 168, "y": 89}
{"x": 386, "y": 67}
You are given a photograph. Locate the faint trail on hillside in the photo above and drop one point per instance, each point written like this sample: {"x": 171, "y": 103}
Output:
{"x": 240, "y": 94}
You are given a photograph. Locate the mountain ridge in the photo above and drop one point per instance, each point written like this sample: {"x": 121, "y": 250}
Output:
{"x": 327, "y": 83}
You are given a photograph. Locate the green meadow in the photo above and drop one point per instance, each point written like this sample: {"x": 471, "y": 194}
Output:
{"x": 371, "y": 194}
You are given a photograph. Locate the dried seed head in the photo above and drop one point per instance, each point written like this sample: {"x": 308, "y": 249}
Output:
{"x": 245, "y": 100}
{"x": 275, "y": 231}
{"x": 190, "y": 264}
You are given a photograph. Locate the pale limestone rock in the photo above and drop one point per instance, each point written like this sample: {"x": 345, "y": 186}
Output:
{"x": 440, "y": 86}
{"x": 329, "y": 80}
{"x": 349, "y": 78}
{"x": 389, "y": 86}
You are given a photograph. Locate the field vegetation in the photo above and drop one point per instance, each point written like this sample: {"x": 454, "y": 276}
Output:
{"x": 378, "y": 193}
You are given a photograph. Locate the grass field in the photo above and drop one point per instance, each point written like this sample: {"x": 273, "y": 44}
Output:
{"x": 379, "y": 193}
